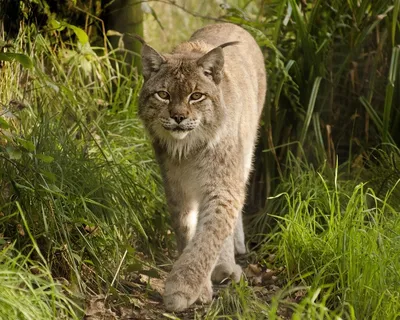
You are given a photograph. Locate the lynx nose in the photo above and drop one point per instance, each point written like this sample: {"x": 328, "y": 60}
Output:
{"x": 178, "y": 117}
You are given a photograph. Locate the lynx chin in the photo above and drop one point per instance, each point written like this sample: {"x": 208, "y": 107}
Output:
{"x": 201, "y": 105}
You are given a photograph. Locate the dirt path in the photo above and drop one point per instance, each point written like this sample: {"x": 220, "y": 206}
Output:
{"x": 143, "y": 297}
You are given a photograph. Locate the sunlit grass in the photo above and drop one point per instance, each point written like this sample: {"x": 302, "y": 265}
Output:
{"x": 29, "y": 292}
{"x": 340, "y": 237}
{"x": 338, "y": 242}
{"x": 80, "y": 194}
{"x": 74, "y": 162}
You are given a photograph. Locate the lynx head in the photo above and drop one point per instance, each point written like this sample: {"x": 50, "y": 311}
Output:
{"x": 180, "y": 102}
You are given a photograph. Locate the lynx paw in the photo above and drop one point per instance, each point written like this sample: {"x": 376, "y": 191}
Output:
{"x": 226, "y": 270}
{"x": 182, "y": 290}
{"x": 176, "y": 301}
{"x": 206, "y": 293}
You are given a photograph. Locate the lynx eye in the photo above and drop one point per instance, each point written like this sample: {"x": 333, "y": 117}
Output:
{"x": 196, "y": 96}
{"x": 163, "y": 95}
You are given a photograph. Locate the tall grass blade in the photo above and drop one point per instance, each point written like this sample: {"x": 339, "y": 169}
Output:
{"x": 376, "y": 119}
{"x": 387, "y": 111}
{"x": 395, "y": 21}
{"x": 310, "y": 110}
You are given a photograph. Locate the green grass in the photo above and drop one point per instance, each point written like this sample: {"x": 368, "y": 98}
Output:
{"x": 81, "y": 205}
{"x": 29, "y": 291}
{"x": 332, "y": 79}
{"x": 75, "y": 166}
{"x": 338, "y": 242}
{"x": 344, "y": 241}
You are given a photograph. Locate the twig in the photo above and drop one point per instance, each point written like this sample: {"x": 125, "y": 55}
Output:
{"x": 194, "y": 14}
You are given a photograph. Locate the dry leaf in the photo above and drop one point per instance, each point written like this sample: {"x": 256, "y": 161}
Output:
{"x": 253, "y": 273}
{"x": 96, "y": 309}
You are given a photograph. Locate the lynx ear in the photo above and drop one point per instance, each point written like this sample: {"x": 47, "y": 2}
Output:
{"x": 212, "y": 63}
{"x": 151, "y": 61}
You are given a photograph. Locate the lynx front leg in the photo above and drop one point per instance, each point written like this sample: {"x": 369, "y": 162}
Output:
{"x": 190, "y": 275}
{"x": 184, "y": 211}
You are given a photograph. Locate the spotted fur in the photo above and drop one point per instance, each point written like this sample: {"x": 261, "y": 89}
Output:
{"x": 201, "y": 105}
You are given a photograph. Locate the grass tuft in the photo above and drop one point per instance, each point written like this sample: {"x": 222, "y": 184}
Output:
{"x": 76, "y": 172}
{"x": 81, "y": 207}
{"x": 338, "y": 235}
{"x": 24, "y": 280}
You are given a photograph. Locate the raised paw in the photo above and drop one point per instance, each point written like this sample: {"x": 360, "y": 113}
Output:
{"x": 225, "y": 271}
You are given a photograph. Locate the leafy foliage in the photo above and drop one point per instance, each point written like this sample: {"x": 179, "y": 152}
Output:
{"x": 333, "y": 87}
{"x": 81, "y": 207}
{"x": 74, "y": 163}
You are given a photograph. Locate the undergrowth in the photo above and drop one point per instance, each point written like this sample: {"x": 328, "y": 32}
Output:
{"x": 344, "y": 242}
{"x": 28, "y": 290}
{"x": 338, "y": 242}
{"x": 75, "y": 169}
{"x": 81, "y": 206}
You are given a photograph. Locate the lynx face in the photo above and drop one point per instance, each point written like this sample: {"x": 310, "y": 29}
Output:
{"x": 180, "y": 99}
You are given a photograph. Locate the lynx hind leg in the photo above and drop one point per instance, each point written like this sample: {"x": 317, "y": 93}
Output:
{"x": 238, "y": 237}
{"x": 206, "y": 293}
{"x": 240, "y": 246}
{"x": 226, "y": 267}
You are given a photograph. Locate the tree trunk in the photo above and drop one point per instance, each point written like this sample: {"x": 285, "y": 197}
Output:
{"x": 125, "y": 16}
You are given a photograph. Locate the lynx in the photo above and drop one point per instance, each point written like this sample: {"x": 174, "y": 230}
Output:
{"x": 201, "y": 106}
